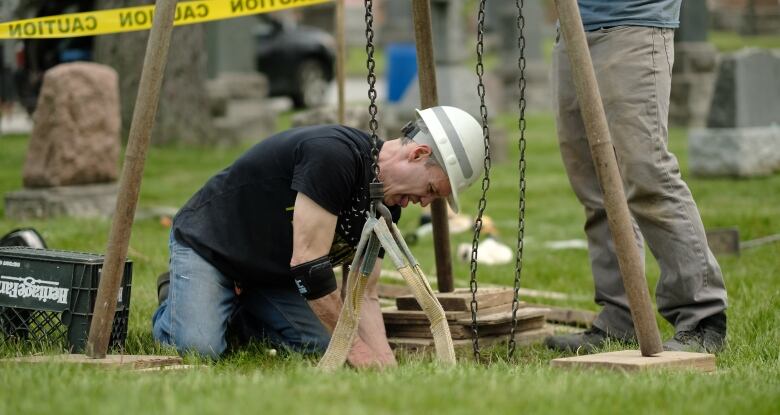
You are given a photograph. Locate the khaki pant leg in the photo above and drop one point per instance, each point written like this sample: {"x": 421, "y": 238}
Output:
{"x": 633, "y": 67}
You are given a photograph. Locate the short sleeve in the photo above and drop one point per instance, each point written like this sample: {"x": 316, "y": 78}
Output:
{"x": 325, "y": 171}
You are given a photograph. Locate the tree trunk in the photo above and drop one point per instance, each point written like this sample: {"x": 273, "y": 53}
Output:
{"x": 183, "y": 115}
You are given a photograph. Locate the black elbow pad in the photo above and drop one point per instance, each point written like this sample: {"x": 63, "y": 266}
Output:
{"x": 315, "y": 278}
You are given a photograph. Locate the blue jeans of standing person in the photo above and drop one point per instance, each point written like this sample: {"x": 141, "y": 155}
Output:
{"x": 202, "y": 303}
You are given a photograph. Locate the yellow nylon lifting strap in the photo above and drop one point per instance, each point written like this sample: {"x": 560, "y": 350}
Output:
{"x": 375, "y": 233}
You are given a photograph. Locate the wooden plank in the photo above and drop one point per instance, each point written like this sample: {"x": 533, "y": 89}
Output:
{"x": 632, "y": 361}
{"x": 723, "y": 241}
{"x": 525, "y": 313}
{"x": 564, "y": 329}
{"x": 460, "y": 299}
{"x": 168, "y": 368}
{"x": 569, "y": 316}
{"x": 464, "y": 331}
{"x": 426, "y": 345}
{"x": 133, "y": 362}
{"x": 396, "y": 316}
{"x": 393, "y": 291}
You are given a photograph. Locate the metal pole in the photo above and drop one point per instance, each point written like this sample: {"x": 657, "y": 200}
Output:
{"x": 341, "y": 56}
{"x": 426, "y": 71}
{"x": 618, "y": 215}
{"x": 130, "y": 182}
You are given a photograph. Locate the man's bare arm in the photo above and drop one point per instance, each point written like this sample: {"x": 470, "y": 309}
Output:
{"x": 313, "y": 231}
{"x": 372, "y": 326}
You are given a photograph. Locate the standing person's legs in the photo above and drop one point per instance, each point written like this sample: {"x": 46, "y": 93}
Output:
{"x": 633, "y": 67}
{"x": 200, "y": 302}
{"x": 634, "y": 70}
{"x": 615, "y": 316}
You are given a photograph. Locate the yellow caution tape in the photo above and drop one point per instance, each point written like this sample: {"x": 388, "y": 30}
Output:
{"x": 131, "y": 19}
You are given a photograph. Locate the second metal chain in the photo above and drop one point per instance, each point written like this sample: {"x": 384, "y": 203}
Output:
{"x": 485, "y": 180}
{"x": 521, "y": 167}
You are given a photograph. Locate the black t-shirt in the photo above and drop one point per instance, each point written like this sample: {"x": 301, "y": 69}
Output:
{"x": 241, "y": 220}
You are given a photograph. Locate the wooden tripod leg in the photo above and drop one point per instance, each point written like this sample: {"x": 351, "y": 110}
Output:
{"x": 130, "y": 182}
{"x": 618, "y": 215}
{"x": 423, "y": 35}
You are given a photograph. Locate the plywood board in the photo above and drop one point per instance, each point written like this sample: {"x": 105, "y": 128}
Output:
{"x": 464, "y": 331}
{"x": 570, "y": 316}
{"x": 423, "y": 345}
{"x": 632, "y": 360}
{"x": 393, "y": 291}
{"x": 460, "y": 299}
{"x": 118, "y": 361}
{"x": 396, "y": 316}
{"x": 525, "y": 313}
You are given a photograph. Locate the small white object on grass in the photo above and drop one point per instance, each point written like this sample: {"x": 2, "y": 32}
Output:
{"x": 567, "y": 244}
{"x": 271, "y": 352}
{"x": 491, "y": 252}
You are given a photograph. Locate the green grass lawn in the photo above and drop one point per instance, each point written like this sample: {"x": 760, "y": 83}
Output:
{"x": 747, "y": 380}
{"x": 730, "y": 41}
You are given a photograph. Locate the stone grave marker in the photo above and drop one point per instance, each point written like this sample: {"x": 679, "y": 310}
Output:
{"x": 695, "y": 65}
{"x": 72, "y": 160}
{"x": 742, "y": 137}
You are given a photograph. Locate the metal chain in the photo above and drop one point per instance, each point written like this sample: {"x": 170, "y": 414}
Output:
{"x": 373, "y": 125}
{"x": 485, "y": 180}
{"x": 521, "y": 166}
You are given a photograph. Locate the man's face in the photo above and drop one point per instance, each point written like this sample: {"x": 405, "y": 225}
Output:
{"x": 415, "y": 179}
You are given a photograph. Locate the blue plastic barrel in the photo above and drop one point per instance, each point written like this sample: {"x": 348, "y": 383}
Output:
{"x": 401, "y": 69}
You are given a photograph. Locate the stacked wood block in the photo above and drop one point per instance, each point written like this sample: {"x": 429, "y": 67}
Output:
{"x": 408, "y": 327}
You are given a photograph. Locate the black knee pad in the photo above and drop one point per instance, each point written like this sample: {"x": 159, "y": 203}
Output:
{"x": 315, "y": 278}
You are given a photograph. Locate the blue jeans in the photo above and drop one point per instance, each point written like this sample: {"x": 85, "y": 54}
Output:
{"x": 202, "y": 304}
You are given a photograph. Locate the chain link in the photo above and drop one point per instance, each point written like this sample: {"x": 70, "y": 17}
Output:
{"x": 485, "y": 180}
{"x": 521, "y": 167}
{"x": 373, "y": 125}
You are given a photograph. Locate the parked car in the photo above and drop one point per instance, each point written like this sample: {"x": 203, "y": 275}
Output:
{"x": 298, "y": 60}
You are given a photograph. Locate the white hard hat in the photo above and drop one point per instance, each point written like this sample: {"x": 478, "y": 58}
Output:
{"x": 457, "y": 143}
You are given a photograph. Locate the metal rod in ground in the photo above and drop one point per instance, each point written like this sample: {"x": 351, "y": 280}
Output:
{"x": 618, "y": 215}
{"x": 426, "y": 73}
{"x": 130, "y": 181}
{"x": 341, "y": 57}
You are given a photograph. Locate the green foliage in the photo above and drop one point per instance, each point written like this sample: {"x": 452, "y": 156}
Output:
{"x": 748, "y": 378}
{"x": 731, "y": 41}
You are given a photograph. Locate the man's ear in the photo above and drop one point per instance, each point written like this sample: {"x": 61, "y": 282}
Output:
{"x": 420, "y": 152}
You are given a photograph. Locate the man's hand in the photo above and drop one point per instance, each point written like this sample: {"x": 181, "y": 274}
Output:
{"x": 313, "y": 231}
{"x": 372, "y": 326}
{"x": 361, "y": 356}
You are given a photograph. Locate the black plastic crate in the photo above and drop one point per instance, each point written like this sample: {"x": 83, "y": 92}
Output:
{"x": 47, "y": 297}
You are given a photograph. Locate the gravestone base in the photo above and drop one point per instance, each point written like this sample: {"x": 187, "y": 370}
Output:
{"x": 86, "y": 201}
{"x": 693, "y": 83}
{"x": 735, "y": 152}
{"x": 246, "y": 120}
